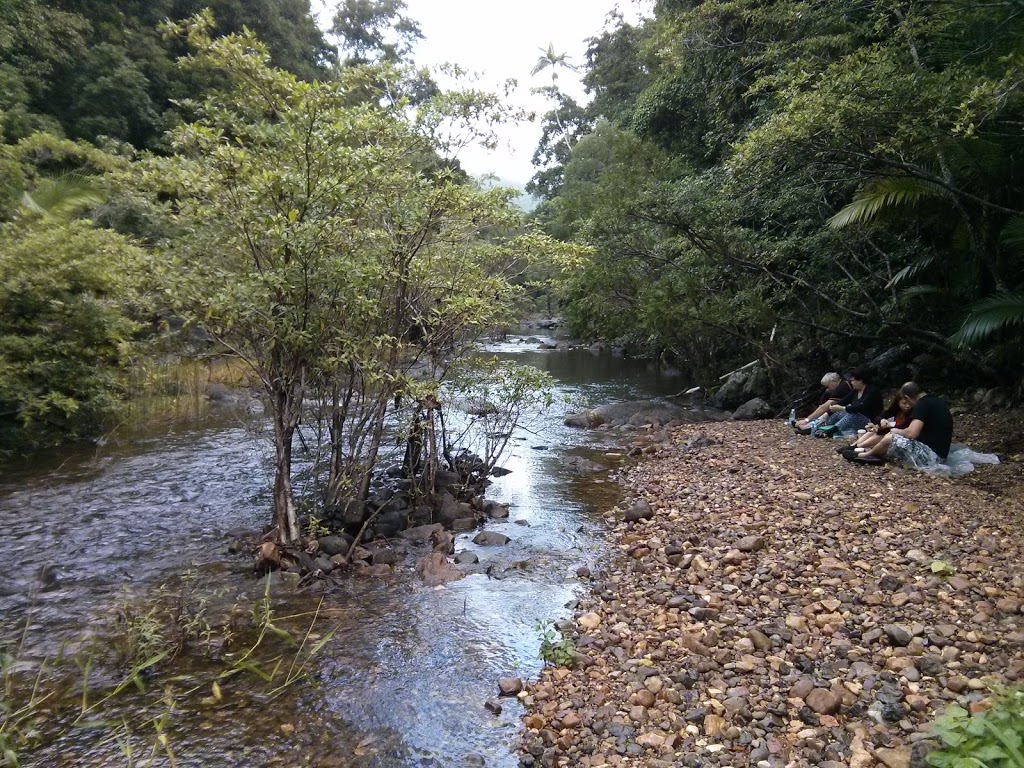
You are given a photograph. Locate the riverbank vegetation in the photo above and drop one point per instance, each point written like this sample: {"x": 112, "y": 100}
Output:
{"x": 797, "y": 183}
{"x": 303, "y": 217}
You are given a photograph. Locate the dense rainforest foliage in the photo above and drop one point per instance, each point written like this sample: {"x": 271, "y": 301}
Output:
{"x": 797, "y": 182}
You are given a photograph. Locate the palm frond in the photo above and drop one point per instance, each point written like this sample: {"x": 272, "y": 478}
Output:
{"x": 989, "y": 316}
{"x": 910, "y": 270}
{"x": 920, "y": 290}
{"x": 63, "y": 196}
{"x": 882, "y": 193}
{"x": 1012, "y": 234}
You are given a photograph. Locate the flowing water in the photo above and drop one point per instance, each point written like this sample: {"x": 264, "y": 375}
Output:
{"x": 404, "y": 679}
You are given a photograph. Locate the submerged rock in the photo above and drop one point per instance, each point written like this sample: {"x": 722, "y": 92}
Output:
{"x": 435, "y": 570}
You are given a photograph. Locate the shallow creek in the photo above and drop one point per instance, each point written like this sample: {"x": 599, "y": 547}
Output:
{"x": 404, "y": 679}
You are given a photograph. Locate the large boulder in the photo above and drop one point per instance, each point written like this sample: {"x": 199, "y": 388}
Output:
{"x": 752, "y": 410}
{"x": 741, "y": 387}
{"x": 347, "y": 513}
{"x": 451, "y": 510}
{"x": 335, "y": 544}
{"x": 640, "y": 412}
{"x": 421, "y": 534}
{"x": 585, "y": 420}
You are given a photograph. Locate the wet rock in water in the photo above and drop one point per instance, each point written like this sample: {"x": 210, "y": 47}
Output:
{"x": 495, "y": 509}
{"x": 421, "y": 534}
{"x": 474, "y": 761}
{"x": 384, "y": 557}
{"x": 641, "y": 510}
{"x": 465, "y": 557}
{"x": 464, "y": 524}
{"x": 493, "y": 706}
{"x": 500, "y": 471}
{"x": 324, "y": 563}
{"x": 442, "y": 541}
{"x": 585, "y": 420}
{"x": 376, "y": 571}
{"x": 491, "y": 539}
{"x": 582, "y": 465}
{"x": 435, "y": 570}
{"x": 445, "y": 478}
{"x": 451, "y": 510}
{"x": 509, "y": 686}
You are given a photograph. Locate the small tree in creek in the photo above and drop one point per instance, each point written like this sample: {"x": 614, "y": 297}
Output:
{"x": 320, "y": 238}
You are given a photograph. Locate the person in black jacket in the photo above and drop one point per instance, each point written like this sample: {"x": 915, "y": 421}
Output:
{"x": 925, "y": 441}
{"x": 859, "y": 408}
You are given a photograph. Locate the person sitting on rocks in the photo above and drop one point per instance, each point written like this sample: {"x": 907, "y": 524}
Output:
{"x": 836, "y": 388}
{"x": 897, "y": 415}
{"x": 855, "y": 411}
{"x": 925, "y": 441}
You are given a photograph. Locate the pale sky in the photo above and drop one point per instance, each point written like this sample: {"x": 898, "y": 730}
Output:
{"x": 502, "y": 41}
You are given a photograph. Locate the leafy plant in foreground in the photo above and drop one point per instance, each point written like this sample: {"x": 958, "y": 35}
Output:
{"x": 991, "y": 739}
{"x": 555, "y": 650}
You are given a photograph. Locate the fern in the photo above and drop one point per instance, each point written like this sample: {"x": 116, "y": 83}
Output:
{"x": 910, "y": 270}
{"x": 1012, "y": 234}
{"x": 882, "y": 193}
{"x": 990, "y": 316}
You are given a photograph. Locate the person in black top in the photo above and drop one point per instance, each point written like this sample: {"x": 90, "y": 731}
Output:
{"x": 925, "y": 441}
{"x": 859, "y": 408}
{"x": 836, "y": 388}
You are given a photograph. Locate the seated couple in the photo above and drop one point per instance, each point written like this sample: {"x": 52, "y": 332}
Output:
{"x": 918, "y": 434}
{"x": 845, "y": 406}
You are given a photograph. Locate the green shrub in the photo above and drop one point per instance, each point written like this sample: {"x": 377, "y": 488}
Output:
{"x": 992, "y": 739}
{"x": 555, "y": 650}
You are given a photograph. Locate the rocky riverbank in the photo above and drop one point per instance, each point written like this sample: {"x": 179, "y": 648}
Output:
{"x": 770, "y": 604}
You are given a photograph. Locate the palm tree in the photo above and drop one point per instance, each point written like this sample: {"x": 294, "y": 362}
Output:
{"x": 553, "y": 61}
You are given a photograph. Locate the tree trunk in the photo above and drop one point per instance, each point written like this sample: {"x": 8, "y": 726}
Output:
{"x": 285, "y": 422}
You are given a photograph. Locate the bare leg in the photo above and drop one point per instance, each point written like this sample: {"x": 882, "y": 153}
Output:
{"x": 867, "y": 440}
{"x": 881, "y": 447}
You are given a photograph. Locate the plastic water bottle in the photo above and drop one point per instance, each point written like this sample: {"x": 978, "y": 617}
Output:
{"x": 792, "y": 417}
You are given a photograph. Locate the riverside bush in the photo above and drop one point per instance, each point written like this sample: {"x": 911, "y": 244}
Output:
{"x": 555, "y": 650}
{"x": 990, "y": 739}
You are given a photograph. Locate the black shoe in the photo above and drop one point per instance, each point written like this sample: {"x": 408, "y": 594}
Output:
{"x": 849, "y": 453}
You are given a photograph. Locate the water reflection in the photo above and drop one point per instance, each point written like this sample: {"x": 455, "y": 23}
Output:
{"x": 404, "y": 681}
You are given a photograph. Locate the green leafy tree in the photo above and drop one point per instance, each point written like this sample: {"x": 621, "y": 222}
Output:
{"x": 64, "y": 330}
{"x": 316, "y": 235}
{"x": 375, "y": 30}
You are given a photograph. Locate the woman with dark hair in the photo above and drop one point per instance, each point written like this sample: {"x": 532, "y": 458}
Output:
{"x": 925, "y": 441}
{"x": 859, "y": 408}
{"x": 896, "y": 416}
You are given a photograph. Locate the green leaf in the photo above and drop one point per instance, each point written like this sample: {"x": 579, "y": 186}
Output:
{"x": 881, "y": 194}
{"x": 990, "y": 316}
